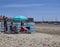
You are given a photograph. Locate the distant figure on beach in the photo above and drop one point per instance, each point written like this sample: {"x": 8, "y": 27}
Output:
{"x": 5, "y": 24}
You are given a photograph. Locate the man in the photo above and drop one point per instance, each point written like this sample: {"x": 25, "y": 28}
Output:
{"x": 5, "y": 23}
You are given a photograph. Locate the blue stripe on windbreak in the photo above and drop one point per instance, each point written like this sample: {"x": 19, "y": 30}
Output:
{"x": 31, "y": 25}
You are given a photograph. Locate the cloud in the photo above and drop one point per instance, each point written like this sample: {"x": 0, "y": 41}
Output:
{"x": 23, "y": 5}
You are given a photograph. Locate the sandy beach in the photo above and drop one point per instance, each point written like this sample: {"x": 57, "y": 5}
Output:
{"x": 29, "y": 40}
{"x": 48, "y": 28}
{"x": 42, "y": 38}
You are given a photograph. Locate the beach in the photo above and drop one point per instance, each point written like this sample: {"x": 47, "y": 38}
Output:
{"x": 45, "y": 36}
{"x": 48, "y": 28}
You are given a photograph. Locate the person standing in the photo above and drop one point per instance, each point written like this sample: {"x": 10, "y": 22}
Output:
{"x": 5, "y": 24}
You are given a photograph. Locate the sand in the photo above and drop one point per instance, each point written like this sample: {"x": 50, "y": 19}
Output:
{"x": 29, "y": 40}
{"x": 44, "y": 37}
{"x": 48, "y": 28}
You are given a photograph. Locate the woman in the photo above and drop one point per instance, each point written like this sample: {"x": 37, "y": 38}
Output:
{"x": 23, "y": 29}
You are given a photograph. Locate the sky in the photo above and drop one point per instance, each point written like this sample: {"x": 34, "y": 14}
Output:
{"x": 40, "y": 10}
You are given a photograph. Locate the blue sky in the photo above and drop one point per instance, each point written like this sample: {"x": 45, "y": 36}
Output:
{"x": 48, "y": 10}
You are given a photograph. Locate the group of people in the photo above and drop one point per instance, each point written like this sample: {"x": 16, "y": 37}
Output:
{"x": 14, "y": 28}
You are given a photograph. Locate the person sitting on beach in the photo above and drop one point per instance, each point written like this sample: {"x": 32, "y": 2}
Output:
{"x": 11, "y": 27}
{"x": 15, "y": 29}
{"x": 23, "y": 29}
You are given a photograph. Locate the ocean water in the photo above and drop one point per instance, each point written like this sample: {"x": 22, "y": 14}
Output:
{"x": 18, "y": 25}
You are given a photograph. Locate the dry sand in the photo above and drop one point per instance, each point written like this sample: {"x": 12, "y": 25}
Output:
{"x": 48, "y": 28}
{"x": 29, "y": 40}
{"x": 32, "y": 40}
